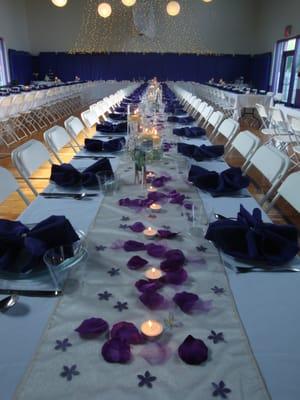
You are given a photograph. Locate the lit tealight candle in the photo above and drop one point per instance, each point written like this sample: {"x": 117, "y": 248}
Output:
{"x": 150, "y": 232}
{"x": 155, "y": 207}
{"x": 152, "y": 189}
{"x": 151, "y": 329}
{"x": 150, "y": 174}
{"x": 153, "y": 273}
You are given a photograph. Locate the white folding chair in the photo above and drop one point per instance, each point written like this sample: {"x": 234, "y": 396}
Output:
{"x": 289, "y": 191}
{"x": 272, "y": 164}
{"x": 56, "y": 138}
{"x": 28, "y": 157}
{"x": 205, "y": 114}
{"x": 246, "y": 144}
{"x": 89, "y": 118}
{"x": 9, "y": 185}
{"x": 74, "y": 127}
{"x": 228, "y": 128}
{"x": 214, "y": 121}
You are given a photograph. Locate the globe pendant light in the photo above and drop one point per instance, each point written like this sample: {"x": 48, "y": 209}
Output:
{"x": 173, "y": 8}
{"x": 129, "y": 3}
{"x": 59, "y": 3}
{"x": 104, "y": 10}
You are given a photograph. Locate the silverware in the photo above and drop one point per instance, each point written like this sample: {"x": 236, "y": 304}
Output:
{"x": 220, "y": 217}
{"x": 32, "y": 293}
{"x": 233, "y": 196}
{"x": 76, "y": 196}
{"x": 8, "y": 302}
{"x": 243, "y": 270}
{"x": 92, "y": 157}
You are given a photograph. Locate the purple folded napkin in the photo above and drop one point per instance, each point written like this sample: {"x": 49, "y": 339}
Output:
{"x": 96, "y": 145}
{"x": 229, "y": 181}
{"x": 112, "y": 128}
{"x": 181, "y": 120}
{"x": 249, "y": 238}
{"x": 118, "y": 116}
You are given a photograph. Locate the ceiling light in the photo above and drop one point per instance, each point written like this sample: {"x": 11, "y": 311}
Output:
{"x": 129, "y": 3}
{"x": 59, "y": 3}
{"x": 104, "y": 10}
{"x": 173, "y": 8}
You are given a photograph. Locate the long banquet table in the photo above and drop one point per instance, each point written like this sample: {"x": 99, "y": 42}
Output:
{"x": 267, "y": 304}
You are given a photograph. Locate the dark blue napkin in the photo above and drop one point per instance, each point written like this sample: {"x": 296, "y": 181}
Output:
{"x": 22, "y": 249}
{"x": 67, "y": 176}
{"x": 121, "y": 110}
{"x": 112, "y": 128}
{"x": 96, "y": 145}
{"x": 229, "y": 181}
{"x": 118, "y": 117}
{"x": 250, "y": 239}
{"x": 181, "y": 120}
{"x": 190, "y": 132}
{"x": 200, "y": 153}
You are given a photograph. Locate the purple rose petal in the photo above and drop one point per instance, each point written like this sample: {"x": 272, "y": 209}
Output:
{"x": 176, "y": 277}
{"x": 92, "y": 327}
{"x": 132, "y": 245}
{"x": 203, "y": 306}
{"x": 160, "y": 181}
{"x": 156, "y": 250}
{"x": 156, "y": 353}
{"x": 127, "y": 332}
{"x": 137, "y": 227}
{"x": 144, "y": 285}
{"x": 136, "y": 262}
{"x": 117, "y": 245}
{"x": 157, "y": 196}
{"x": 186, "y": 301}
{"x": 193, "y": 351}
{"x": 166, "y": 234}
{"x": 174, "y": 261}
{"x": 188, "y": 206}
{"x": 116, "y": 351}
{"x": 152, "y": 300}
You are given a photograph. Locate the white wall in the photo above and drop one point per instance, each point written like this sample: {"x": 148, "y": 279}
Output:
{"x": 13, "y": 24}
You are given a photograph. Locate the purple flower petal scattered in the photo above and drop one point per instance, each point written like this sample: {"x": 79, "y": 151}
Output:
{"x": 152, "y": 300}
{"x": 117, "y": 245}
{"x": 156, "y": 250}
{"x": 132, "y": 245}
{"x": 144, "y": 285}
{"x": 127, "y": 332}
{"x": 176, "y": 277}
{"x": 203, "y": 306}
{"x": 137, "y": 227}
{"x": 136, "y": 262}
{"x": 193, "y": 351}
{"x": 186, "y": 301}
{"x": 92, "y": 327}
{"x": 166, "y": 234}
{"x": 156, "y": 353}
{"x": 188, "y": 206}
{"x": 116, "y": 351}
{"x": 174, "y": 260}
{"x": 220, "y": 389}
{"x": 160, "y": 181}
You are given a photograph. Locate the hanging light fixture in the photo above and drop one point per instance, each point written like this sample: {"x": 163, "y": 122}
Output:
{"x": 207, "y": 1}
{"x": 59, "y": 3}
{"x": 104, "y": 10}
{"x": 128, "y": 3}
{"x": 173, "y": 8}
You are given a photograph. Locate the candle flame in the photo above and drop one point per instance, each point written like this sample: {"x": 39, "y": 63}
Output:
{"x": 150, "y": 324}
{"x": 153, "y": 269}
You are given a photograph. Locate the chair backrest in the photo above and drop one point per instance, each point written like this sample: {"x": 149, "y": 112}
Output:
{"x": 215, "y": 119}
{"x": 74, "y": 127}
{"x": 228, "y": 128}
{"x": 246, "y": 143}
{"x": 9, "y": 185}
{"x": 89, "y": 118}
{"x": 289, "y": 190}
{"x": 56, "y": 138}
{"x": 294, "y": 123}
{"x": 262, "y": 112}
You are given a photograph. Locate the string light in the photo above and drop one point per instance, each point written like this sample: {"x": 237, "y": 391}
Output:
{"x": 59, "y": 3}
{"x": 173, "y": 8}
{"x": 104, "y": 10}
{"x": 129, "y": 3}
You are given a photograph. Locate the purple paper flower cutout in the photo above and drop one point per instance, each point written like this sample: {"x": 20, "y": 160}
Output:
{"x": 201, "y": 249}
{"x": 144, "y": 285}
{"x": 127, "y": 332}
{"x": 176, "y": 277}
{"x": 186, "y": 301}
{"x": 92, "y": 327}
{"x": 116, "y": 351}
{"x": 136, "y": 262}
{"x": 155, "y": 353}
{"x": 124, "y": 218}
{"x": 132, "y": 245}
{"x": 121, "y": 306}
{"x": 216, "y": 337}
{"x": 62, "y": 344}
{"x": 174, "y": 260}
{"x": 123, "y": 226}
{"x": 220, "y": 389}
{"x": 152, "y": 300}
{"x": 104, "y": 296}
{"x": 101, "y": 248}
{"x": 114, "y": 271}
{"x": 146, "y": 380}
{"x": 193, "y": 351}
{"x": 69, "y": 372}
{"x": 165, "y": 234}
{"x": 218, "y": 290}
{"x": 156, "y": 250}
{"x": 137, "y": 227}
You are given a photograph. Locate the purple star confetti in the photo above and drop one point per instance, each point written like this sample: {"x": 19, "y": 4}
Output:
{"x": 101, "y": 248}
{"x": 62, "y": 344}
{"x": 121, "y": 306}
{"x": 216, "y": 337}
{"x": 124, "y": 218}
{"x": 114, "y": 271}
{"x": 201, "y": 249}
{"x": 123, "y": 226}
{"x": 218, "y": 290}
{"x": 146, "y": 379}
{"x": 69, "y": 372}
{"x": 220, "y": 389}
{"x": 104, "y": 296}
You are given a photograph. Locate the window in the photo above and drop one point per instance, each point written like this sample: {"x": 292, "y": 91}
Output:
{"x": 3, "y": 65}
